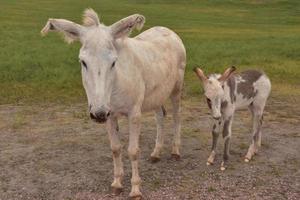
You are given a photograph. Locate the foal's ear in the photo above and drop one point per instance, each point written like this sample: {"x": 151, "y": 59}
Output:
{"x": 71, "y": 30}
{"x": 200, "y": 74}
{"x": 124, "y": 27}
{"x": 227, "y": 74}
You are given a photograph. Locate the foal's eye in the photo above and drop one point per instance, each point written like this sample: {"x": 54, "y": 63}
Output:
{"x": 84, "y": 64}
{"x": 208, "y": 102}
{"x": 113, "y": 64}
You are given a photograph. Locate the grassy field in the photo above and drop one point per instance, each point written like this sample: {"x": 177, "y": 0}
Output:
{"x": 262, "y": 34}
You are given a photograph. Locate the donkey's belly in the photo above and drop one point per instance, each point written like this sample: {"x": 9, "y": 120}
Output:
{"x": 158, "y": 96}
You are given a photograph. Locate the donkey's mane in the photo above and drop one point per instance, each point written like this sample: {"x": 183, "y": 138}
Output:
{"x": 90, "y": 18}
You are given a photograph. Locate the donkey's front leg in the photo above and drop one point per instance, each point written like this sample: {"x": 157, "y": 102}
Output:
{"x": 226, "y": 136}
{"x": 134, "y": 152}
{"x": 159, "y": 114}
{"x": 112, "y": 128}
{"x": 215, "y": 136}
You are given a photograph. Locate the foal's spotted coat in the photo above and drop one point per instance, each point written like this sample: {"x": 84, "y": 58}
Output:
{"x": 229, "y": 92}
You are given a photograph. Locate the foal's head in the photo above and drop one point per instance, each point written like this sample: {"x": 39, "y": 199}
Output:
{"x": 214, "y": 89}
{"x": 98, "y": 55}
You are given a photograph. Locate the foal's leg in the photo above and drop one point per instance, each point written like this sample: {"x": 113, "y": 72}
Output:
{"x": 159, "y": 114}
{"x": 257, "y": 117}
{"x": 175, "y": 99}
{"x": 134, "y": 152}
{"x": 112, "y": 128}
{"x": 215, "y": 135}
{"x": 226, "y": 136}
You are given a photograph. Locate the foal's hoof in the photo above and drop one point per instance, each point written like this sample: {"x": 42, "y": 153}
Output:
{"x": 223, "y": 167}
{"x": 247, "y": 160}
{"x": 175, "y": 157}
{"x": 116, "y": 191}
{"x": 154, "y": 159}
{"x": 209, "y": 163}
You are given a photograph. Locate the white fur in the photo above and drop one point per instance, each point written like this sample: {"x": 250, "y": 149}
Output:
{"x": 149, "y": 69}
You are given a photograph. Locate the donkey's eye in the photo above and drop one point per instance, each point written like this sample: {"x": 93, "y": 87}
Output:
{"x": 113, "y": 64}
{"x": 84, "y": 64}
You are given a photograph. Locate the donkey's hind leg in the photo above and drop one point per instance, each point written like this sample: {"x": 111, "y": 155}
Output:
{"x": 159, "y": 115}
{"x": 176, "y": 99}
{"x": 257, "y": 118}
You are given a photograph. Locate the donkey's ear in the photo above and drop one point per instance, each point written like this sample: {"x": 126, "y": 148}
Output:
{"x": 200, "y": 74}
{"x": 71, "y": 30}
{"x": 124, "y": 27}
{"x": 227, "y": 74}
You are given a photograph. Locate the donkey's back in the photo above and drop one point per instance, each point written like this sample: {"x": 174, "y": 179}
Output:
{"x": 252, "y": 87}
{"x": 163, "y": 63}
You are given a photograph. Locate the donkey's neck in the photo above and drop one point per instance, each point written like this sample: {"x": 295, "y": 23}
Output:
{"x": 229, "y": 90}
{"x": 130, "y": 54}
{"x": 125, "y": 45}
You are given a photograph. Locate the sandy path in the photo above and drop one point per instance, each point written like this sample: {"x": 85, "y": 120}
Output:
{"x": 56, "y": 152}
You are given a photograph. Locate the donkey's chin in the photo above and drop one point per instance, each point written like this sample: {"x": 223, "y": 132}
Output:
{"x": 100, "y": 121}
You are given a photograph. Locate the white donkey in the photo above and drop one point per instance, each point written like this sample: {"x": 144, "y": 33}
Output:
{"x": 226, "y": 93}
{"x": 128, "y": 76}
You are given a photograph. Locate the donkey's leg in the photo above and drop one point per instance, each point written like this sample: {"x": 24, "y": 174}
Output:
{"x": 257, "y": 117}
{"x": 215, "y": 136}
{"x": 226, "y": 136}
{"x": 175, "y": 99}
{"x": 134, "y": 152}
{"x": 112, "y": 128}
{"x": 159, "y": 114}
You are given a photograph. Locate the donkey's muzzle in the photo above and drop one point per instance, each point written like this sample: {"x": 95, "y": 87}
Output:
{"x": 100, "y": 116}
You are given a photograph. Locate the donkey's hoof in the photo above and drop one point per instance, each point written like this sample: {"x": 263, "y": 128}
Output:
{"x": 223, "y": 168}
{"x": 138, "y": 197}
{"x": 175, "y": 157}
{"x": 154, "y": 159}
{"x": 247, "y": 160}
{"x": 116, "y": 191}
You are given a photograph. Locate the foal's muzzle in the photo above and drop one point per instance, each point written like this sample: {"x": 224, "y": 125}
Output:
{"x": 217, "y": 118}
{"x": 100, "y": 116}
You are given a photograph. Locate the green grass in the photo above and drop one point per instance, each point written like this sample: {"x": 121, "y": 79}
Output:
{"x": 261, "y": 34}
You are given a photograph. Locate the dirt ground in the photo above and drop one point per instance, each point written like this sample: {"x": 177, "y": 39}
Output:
{"x": 56, "y": 152}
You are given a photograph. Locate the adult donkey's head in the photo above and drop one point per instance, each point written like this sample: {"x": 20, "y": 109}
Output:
{"x": 98, "y": 55}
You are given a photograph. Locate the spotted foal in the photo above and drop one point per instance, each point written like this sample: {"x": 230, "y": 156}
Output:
{"x": 228, "y": 92}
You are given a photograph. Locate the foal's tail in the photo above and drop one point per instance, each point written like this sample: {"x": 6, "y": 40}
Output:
{"x": 163, "y": 111}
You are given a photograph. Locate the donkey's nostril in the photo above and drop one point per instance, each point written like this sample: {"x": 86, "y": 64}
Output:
{"x": 107, "y": 115}
{"x": 92, "y": 116}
